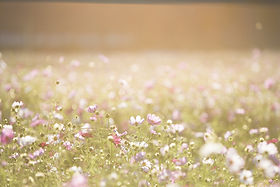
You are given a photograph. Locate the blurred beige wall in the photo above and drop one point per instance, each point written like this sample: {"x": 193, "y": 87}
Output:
{"x": 139, "y": 26}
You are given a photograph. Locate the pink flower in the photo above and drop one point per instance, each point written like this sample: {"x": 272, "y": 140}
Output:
{"x": 67, "y": 145}
{"x": 176, "y": 115}
{"x": 37, "y": 153}
{"x": 78, "y": 180}
{"x": 116, "y": 140}
{"x": 36, "y": 121}
{"x": 92, "y": 108}
{"x": 7, "y": 134}
{"x": 180, "y": 162}
{"x": 240, "y": 111}
{"x": 103, "y": 58}
{"x": 153, "y": 119}
{"x": 269, "y": 83}
{"x": 204, "y": 117}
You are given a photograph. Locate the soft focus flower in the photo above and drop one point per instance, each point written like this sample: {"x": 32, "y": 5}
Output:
{"x": 36, "y": 121}
{"x": 263, "y": 130}
{"x": 58, "y": 126}
{"x": 180, "y": 162}
{"x": 37, "y": 153}
{"x": 234, "y": 161}
{"x": 208, "y": 161}
{"x": 92, "y": 108}
{"x": 164, "y": 150}
{"x": 68, "y": 145}
{"x": 136, "y": 120}
{"x": 212, "y": 148}
{"x": 153, "y": 119}
{"x": 176, "y": 128}
{"x": 146, "y": 165}
{"x": 269, "y": 83}
{"x": 26, "y": 140}
{"x": 246, "y": 177}
{"x": 7, "y": 134}
{"x": 204, "y": 117}
{"x": 240, "y": 111}
{"x": 78, "y": 180}
{"x": 269, "y": 148}
{"x": 17, "y": 104}
{"x": 76, "y": 169}
{"x": 116, "y": 140}
{"x": 270, "y": 170}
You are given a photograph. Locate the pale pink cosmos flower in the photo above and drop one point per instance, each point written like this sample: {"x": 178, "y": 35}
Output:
{"x": 92, "y": 108}
{"x": 67, "y": 145}
{"x": 269, "y": 83}
{"x": 234, "y": 162}
{"x": 7, "y": 134}
{"x": 31, "y": 75}
{"x": 136, "y": 120}
{"x": 78, "y": 180}
{"x": 37, "y": 153}
{"x": 176, "y": 115}
{"x": 240, "y": 111}
{"x": 36, "y": 121}
{"x": 180, "y": 161}
{"x": 153, "y": 119}
{"x": 103, "y": 58}
{"x": 152, "y": 130}
{"x": 204, "y": 117}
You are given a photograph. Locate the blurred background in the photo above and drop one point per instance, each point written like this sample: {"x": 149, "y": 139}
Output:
{"x": 95, "y": 26}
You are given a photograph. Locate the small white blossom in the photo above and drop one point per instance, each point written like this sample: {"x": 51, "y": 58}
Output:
{"x": 27, "y": 140}
{"x": 246, "y": 177}
{"x": 136, "y": 120}
{"x": 269, "y": 148}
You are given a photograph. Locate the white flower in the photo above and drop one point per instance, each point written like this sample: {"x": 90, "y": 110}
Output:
{"x": 146, "y": 165}
{"x": 169, "y": 122}
{"x": 208, "y": 161}
{"x": 164, "y": 150}
{"x": 56, "y": 156}
{"x": 253, "y": 131}
{"x": 58, "y": 126}
{"x": 122, "y": 105}
{"x": 140, "y": 144}
{"x": 113, "y": 176}
{"x": 227, "y": 135}
{"x": 57, "y": 116}
{"x": 240, "y": 111}
{"x": 212, "y": 148}
{"x": 249, "y": 148}
{"x": 17, "y": 104}
{"x": 53, "y": 139}
{"x": 263, "y": 129}
{"x": 3, "y": 65}
{"x": 8, "y": 127}
{"x": 176, "y": 128}
{"x": 270, "y": 170}
{"x": 246, "y": 177}
{"x": 234, "y": 161}
{"x": 79, "y": 136}
{"x": 86, "y": 128}
{"x": 27, "y": 140}
{"x": 76, "y": 169}
{"x": 136, "y": 120}
{"x": 269, "y": 148}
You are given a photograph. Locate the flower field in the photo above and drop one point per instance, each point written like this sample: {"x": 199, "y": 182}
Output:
{"x": 140, "y": 119}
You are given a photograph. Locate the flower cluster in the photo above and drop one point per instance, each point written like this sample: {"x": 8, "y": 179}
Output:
{"x": 83, "y": 121}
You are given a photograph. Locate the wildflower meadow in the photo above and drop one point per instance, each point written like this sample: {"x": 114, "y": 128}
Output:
{"x": 175, "y": 119}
